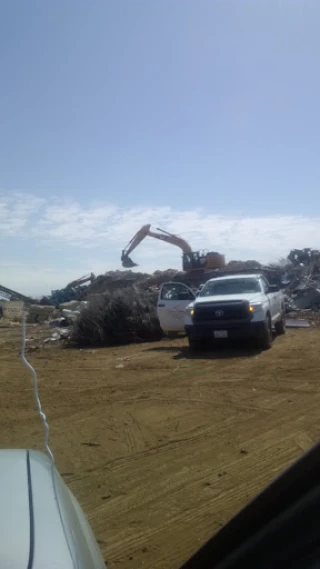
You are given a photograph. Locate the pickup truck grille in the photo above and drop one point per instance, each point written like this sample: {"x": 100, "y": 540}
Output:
{"x": 236, "y": 310}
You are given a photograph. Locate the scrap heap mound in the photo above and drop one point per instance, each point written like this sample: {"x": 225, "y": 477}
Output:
{"x": 113, "y": 280}
{"x": 117, "y": 280}
{"x": 116, "y": 318}
{"x": 301, "y": 276}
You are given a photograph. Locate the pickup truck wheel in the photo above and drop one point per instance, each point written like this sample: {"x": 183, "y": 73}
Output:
{"x": 194, "y": 344}
{"x": 281, "y": 326}
{"x": 265, "y": 340}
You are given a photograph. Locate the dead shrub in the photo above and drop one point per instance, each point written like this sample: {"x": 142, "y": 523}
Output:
{"x": 117, "y": 318}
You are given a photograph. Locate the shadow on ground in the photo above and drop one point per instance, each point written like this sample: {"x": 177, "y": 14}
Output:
{"x": 212, "y": 352}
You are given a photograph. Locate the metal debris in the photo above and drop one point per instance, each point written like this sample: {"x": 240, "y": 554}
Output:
{"x": 59, "y": 323}
{"x": 59, "y": 334}
{"x": 301, "y": 280}
{"x": 297, "y": 323}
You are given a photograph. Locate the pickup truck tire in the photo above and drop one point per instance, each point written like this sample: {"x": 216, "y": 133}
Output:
{"x": 194, "y": 344}
{"x": 265, "y": 338}
{"x": 281, "y": 326}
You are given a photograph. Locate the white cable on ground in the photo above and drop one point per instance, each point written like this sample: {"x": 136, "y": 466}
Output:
{"x": 46, "y": 440}
{"x": 35, "y": 388}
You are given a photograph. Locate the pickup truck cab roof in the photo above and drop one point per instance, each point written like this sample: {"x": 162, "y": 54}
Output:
{"x": 236, "y": 277}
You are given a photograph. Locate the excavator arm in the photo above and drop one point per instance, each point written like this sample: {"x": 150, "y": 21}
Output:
{"x": 81, "y": 281}
{"x": 162, "y": 236}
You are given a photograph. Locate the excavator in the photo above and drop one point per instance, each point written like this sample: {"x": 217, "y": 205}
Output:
{"x": 191, "y": 260}
{"x": 72, "y": 291}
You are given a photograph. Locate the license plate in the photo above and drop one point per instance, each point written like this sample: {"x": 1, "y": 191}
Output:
{"x": 220, "y": 334}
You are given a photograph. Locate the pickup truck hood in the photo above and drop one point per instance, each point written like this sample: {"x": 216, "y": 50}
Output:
{"x": 251, "y": 298}
{"x": 31, "y": 530}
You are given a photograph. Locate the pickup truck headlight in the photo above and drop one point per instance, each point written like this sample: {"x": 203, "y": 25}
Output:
{"x": 190, "y": 311}
{"x": 255, "y": 307}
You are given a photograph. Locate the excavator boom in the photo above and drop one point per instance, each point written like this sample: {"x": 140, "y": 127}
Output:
{"x": 171, "y": 238}
{"x": 81, "y": 281}
{"x": 136, "y": 239}
{"x": 198, "y": 260}
{"x": 162, "y": 236}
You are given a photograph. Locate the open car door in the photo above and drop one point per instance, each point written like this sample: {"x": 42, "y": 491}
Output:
{"x": 172, "y": 302}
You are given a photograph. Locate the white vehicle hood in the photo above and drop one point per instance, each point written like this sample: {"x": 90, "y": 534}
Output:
{"x": 251, "y": 298}
{"x": 33, "y": 525}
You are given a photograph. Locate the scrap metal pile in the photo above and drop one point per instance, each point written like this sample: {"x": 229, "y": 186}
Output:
{"x": 73, "y": 290}
{"x": 301, "y": 278}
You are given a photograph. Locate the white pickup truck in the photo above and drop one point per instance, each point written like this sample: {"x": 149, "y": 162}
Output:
{"x": 232, "y": 306}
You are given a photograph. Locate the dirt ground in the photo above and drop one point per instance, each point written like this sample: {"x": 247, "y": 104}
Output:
{"x": 160, "y": 448}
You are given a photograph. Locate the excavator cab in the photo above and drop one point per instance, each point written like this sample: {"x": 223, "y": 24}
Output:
{"x": 202, "y": 260}
{"x": 194, "y": 261}
{"x": 215, "y": 261}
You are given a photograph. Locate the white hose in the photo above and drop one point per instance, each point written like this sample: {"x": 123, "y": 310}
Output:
{"x": 46, "y": 441}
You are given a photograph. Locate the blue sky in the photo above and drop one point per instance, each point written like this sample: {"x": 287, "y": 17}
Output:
{"x": 201, "y": 117}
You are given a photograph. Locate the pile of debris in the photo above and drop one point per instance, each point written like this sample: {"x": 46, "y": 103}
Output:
{"x": 37, "y": 314}
{"x": 113, "y": 280}
{"x": 116, "y": 318}
{"x": 65, "y": 319}
{"x": 301, "y": 279}
{"x": 73, "y": 291}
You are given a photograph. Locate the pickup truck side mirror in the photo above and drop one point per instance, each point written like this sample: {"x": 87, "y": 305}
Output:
{"x": 273, "y": 288}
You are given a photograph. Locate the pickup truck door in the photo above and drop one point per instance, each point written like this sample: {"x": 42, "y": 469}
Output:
{"x": 274, "y": 306}
{"x": 277, "y": 304}
{"x": 275, "y": 301}
{"x": 172, "y": 302}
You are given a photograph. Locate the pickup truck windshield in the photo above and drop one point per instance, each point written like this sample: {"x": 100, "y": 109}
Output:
{"x": 231, "y": 286}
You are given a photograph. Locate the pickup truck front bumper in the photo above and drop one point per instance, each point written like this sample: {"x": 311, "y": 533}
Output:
{"x": 235, "y": 329}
